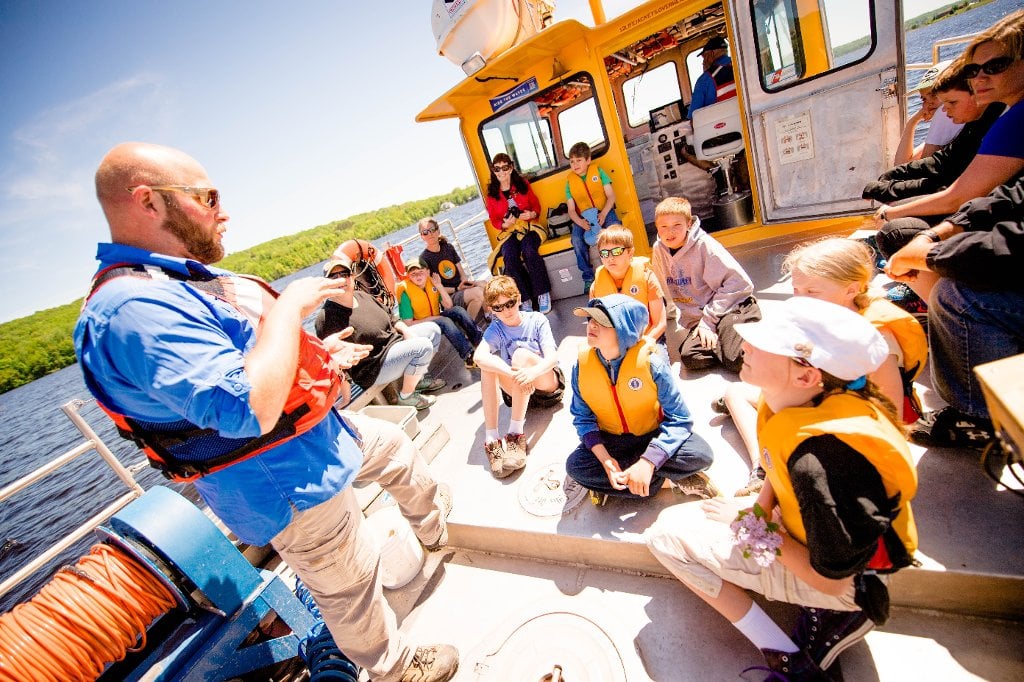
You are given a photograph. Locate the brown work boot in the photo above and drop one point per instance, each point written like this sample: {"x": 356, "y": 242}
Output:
{"x": 515, "y": 451}
{"x": 699, "y": 484}
{"x": 434, "y": 663}
{"x": 495, "y": 451}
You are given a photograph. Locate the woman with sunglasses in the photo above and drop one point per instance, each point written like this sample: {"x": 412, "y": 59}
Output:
{"x": 511, "y": 205}
{"x": 398, "y": 351}
{"x": 445, "y": 266}
{"x": 993, "y": 65}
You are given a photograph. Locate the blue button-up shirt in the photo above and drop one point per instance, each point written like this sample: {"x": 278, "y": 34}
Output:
{"x": 705, "y": 91}
{"x": 159, "y": 350}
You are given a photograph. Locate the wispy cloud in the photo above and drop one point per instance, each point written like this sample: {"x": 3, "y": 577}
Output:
{"x": 47, "y": 202}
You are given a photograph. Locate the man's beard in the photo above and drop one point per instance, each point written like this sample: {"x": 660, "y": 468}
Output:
{"x": 203, "y": 247}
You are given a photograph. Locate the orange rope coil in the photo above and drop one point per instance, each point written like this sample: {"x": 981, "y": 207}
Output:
{"x": 88, "y": 616}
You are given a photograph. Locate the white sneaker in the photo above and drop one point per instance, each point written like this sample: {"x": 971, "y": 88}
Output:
{"x": 544, "y": 300}
{"x": 527, "y": 306}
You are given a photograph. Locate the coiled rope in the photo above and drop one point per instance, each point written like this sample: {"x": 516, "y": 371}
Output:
{"x": 89, "y": 615}
{"x": 322, "y": 656}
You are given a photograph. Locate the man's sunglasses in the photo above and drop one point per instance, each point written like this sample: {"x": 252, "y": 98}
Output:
{"x": 502, "y": 167}
{"x": 206, "y": 196}
{"x": 614, "y": 251}
{"x": 991, "y": 67}
{"x": 510, "y": 303}
{"x": 339, "y": 274}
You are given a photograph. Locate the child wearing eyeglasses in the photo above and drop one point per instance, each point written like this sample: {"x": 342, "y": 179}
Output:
{"x": 419, "y": 300}
{"x": 623, "y": 273}
{"x": 634, "y": 427}
{"x": 445, "y": 265}
{"x": 518, "y": 357}
{"x": 707, "y": 287}
{"x": 591, "y": 201}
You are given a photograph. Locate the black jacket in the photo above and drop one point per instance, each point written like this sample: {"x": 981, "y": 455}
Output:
{"x": 989, "y": 254}
{"x": 938, "y": 171}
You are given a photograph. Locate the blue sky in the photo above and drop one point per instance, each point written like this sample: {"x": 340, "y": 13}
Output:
{"x": 302, "y": 113}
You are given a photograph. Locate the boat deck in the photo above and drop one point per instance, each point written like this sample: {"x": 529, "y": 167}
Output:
{"x": 957, "y": 616}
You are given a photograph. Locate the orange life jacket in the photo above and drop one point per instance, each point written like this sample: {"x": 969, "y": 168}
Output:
{"x": 314, "y": 390}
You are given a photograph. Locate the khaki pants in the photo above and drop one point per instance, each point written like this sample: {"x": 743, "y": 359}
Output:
{"x": 700, "y": 552}
{"x": 331, "y": 551}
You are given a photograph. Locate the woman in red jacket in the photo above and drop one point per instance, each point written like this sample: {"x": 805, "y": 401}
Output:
{"x": 512, "y": 206}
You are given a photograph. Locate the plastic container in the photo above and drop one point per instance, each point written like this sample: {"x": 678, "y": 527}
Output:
{"x": 401, "y": 555}
{"x": 404, "y": 416}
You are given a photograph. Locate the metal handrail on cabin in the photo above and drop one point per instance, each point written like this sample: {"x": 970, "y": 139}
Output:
{"x": 455, "y": 230}
{"x": 936, "y": 49}
{"x": 92, "y": 442}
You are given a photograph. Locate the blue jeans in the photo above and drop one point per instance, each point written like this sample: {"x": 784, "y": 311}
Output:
{"x": 692, "y": 456}
{"x": 524, "y": 264}
{"x": 410, "y": 356}
{"x": 582, "y": 251}
{"x": 966, "y": 328}
{"x": 460, "y": 329}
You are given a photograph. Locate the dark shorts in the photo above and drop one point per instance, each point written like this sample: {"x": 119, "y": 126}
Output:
{"x": 543, "y": 398}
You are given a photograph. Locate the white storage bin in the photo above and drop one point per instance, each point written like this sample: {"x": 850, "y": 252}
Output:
{"x": 404, "y": 416}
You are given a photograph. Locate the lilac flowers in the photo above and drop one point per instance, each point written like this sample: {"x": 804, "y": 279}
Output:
{"x": 756, "y": 536}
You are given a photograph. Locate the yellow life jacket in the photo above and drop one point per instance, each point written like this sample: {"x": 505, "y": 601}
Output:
{"x": 907, "y": 330}
{"x": 425, "y": 303}
{"x": 631, "y": 405}
{"x": 634, "y": 283}
{"x": 859, "y": 424}
{"x": 587, "y": 192}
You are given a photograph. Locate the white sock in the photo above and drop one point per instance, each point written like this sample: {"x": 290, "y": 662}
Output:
{"x": 404, "y": 395}
{"x": 491, "y": 435}
{"x": 763, "y": 632}
{"x": 517, "y": 426}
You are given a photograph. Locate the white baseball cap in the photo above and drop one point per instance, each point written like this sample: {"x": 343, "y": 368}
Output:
{"x": 825, "y": 335}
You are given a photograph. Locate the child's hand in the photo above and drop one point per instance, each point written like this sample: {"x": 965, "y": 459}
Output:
{"x": 616, "y": 477}
{"x": 708, "y": 339}
{"x": 638, "y": 477}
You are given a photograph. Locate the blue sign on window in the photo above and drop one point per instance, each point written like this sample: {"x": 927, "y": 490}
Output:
{"x": 516, "y": 93}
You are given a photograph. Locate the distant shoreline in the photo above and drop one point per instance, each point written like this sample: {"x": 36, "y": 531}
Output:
{"x": 941, "y": 13}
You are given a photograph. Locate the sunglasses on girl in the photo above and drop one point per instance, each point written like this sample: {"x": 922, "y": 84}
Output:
{"x": 991, "y": 67}
{"x": 429, "y": 230}
{"x": 614, "y": 251}
{"x": 507, "y": 305}
{"x": 206, "y": 196}
{"x": 502, "y": 167}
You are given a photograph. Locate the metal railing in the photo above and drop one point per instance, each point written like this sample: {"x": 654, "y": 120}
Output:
{"x": 92, "y": 442}
{"x": 937, "y": 48}
{"x": 472, "y": 221}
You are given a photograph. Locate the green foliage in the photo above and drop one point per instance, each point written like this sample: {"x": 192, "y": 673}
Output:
{"x": 33, "y": 346}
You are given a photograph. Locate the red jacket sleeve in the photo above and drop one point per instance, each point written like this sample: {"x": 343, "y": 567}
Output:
{"x": 496, "y": 210}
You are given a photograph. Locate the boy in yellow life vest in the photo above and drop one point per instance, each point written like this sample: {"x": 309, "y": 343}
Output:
{"x": 591, "y": 201}
{"x": 839, "y": 483}
{"x": 635, "y": 430}
{"x": 623, "y": 273}
{"x": 419, "y": 300}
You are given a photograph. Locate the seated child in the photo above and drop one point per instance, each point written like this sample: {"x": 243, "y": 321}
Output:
{"x": 839, "y": 270}
{"x": 419, "y": 300}
{"x": 709, "y": 289}
{"x": 517, "y": 355}
{"x": 836, "y": 459}
{"x": 445, "y": 265}
{"x": 622, "y": 273}
{"x": 591, "y": 201}
{"x": 628, "y": 447}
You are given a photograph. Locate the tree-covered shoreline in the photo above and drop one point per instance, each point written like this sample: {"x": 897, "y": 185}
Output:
{"x": 38, "y": 344}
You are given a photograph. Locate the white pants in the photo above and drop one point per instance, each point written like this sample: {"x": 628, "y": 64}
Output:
{"x": 332, "y": 552}
{"x": 700, "y": 552}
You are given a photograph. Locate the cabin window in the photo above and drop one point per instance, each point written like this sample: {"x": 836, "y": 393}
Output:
{"x": 801, "y": 39}
{"x": 538, "y": 131}
{"x": 650, "y": 90}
